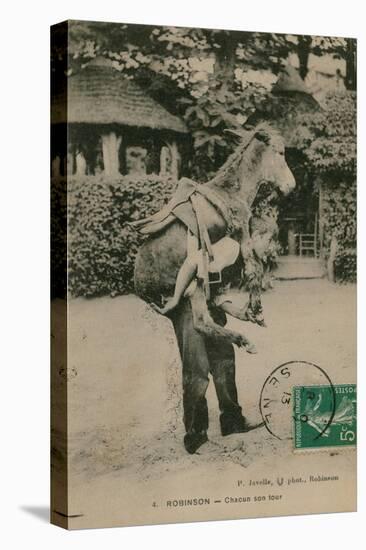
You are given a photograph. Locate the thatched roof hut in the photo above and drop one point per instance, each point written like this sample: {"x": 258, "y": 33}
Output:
{"x": 102, "y": 95}
{"x": 104, "y": 105}
{"x": 289, "y": 101}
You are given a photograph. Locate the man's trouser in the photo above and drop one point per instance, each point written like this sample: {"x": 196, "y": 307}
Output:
{"x": 200, "y": 356}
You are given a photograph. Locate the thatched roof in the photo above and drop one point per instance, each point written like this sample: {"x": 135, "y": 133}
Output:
{"x": 286, "y": 106}
{"x": 102, "y": 95}
{"x": 289, "y": 81}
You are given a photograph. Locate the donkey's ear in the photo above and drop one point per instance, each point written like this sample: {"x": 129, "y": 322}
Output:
{"x": 263, "y": 135}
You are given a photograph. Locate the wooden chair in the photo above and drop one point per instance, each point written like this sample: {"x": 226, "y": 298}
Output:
{"x": 307, "y": 243}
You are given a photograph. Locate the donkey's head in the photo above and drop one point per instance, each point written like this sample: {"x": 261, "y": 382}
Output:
{"x": 260, "y": 158}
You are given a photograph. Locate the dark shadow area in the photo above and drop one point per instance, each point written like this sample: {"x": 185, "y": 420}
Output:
{"x": 40, "y": 512}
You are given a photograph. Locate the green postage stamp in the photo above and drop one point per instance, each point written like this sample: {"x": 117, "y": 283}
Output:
{"x": 325, "y": 416}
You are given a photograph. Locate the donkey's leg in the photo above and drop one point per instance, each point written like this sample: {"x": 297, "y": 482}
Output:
{"x": 241, "y": 314}
{"x": 204, "y": 324}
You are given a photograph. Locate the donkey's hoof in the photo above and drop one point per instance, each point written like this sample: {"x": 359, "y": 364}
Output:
{"x": 250, "y": 348}
{"x": 242, "y": 342}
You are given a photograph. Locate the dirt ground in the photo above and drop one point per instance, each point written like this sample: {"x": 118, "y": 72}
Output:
{"x": 124, "y": 394}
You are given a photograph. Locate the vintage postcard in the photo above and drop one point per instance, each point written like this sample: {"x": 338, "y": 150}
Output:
{"x": 203, "y": 198}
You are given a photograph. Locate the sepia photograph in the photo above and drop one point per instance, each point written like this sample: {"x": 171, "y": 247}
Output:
{"x": 204, "y": 266}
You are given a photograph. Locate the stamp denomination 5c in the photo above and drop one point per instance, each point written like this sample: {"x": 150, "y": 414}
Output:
{"x": 324, "y": 418}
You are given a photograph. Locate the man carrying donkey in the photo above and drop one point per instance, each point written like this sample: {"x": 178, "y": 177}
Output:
{"x": 199, "y": 247}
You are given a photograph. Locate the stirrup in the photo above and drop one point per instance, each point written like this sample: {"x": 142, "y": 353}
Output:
{"x": 214, "y": 277}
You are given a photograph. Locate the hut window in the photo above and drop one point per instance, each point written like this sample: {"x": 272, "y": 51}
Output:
{"x": 136, "y": 158}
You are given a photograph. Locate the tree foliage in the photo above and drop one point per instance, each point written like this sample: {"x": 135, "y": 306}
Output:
{"x": 340, "y": 211}
{"x": 216, "y": 79}
{"x": 330, "y": 149}
{"x": 331, "y": 144}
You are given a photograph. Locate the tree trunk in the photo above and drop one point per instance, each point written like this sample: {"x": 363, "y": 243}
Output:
{"x": 225, "y": 55}
{"x": 351, "y": 80}
{"x": 175, "y": 159}
{"x": 303, "y": 51}
{"x": 110, "y": 145}
{"x": 80, "y": 164}
{"x": 164, "y": 160}
{"x": 169, "y": 160}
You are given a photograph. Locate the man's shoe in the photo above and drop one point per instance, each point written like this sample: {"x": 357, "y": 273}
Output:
{"x": 239, "y": 427}
{"x": 193, "y": 441}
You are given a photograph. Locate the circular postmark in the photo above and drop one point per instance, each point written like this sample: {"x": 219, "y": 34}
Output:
{"x": 277, "y": 398}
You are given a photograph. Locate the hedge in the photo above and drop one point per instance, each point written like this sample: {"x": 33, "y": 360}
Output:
{"x": 58, "y": 238}
{"x": 101, "y": 246}
{"x": 332, "y": 154}
{"x": 345, "y": 265}
{"x": 340, "y": 209}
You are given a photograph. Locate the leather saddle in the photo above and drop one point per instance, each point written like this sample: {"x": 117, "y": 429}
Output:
{"x": 186, "y": 206}
{"x": 179, "y": 207}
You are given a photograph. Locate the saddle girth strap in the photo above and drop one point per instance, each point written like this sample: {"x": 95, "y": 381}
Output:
{"x": 206, "y": 247}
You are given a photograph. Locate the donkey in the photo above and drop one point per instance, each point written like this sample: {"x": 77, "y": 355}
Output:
{"x": 258, "y": 159}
